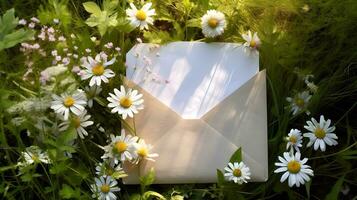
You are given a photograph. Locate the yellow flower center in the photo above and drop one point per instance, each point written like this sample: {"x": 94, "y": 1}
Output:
{"x": 105, "y": 188}
{"x": 294, "y": 166}
{"x": 98, "y": 70}
{"x": 76, "y": 122}
{"x": 68, "y": 101}
{"x": 213, "y": 23}
{"x": 300, "y": 102}
{"x": 143, "y": 152}
{"x": 320, "y": 133}
{"x": 120, "y": 147}
{"x": 293, "y": 139}
{"x": 35, "y": 158}
{"x": 140, "y": 15}
{"x": 125, "y": 102}
{"x": 253, "y": 43}
{"x": 237, "y": 173}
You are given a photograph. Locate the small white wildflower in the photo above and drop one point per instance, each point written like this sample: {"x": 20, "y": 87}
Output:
{"x": 294, "y": 140}
{"x": 213, "y": 23}
{"x": 299, "y": 102}
{"x": 294, "y": 168}
{"x": 237, "y": 172}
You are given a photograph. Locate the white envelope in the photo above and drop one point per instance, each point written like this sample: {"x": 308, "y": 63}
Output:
{"x": 202, "y": 102}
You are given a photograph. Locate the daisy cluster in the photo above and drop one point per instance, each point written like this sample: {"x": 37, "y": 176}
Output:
{"x": 320, "y": 134}
{"x": 72, "y": 107}
{"x": 213, "y": 24}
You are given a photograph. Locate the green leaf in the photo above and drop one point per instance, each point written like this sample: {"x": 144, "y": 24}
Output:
{"x": 8, "y": 22}
{"x": 220, "y": 178}
{"x": 103, "y": 19}
{"x": 135, "y": 197}
{"x": 67, "y": 136}
{"x": 148, "y": 179}
{"x": 9, "y": 37}
{"x": 149, "y": 194}
{"x": 5, "y": 168}
{"x": 237, "y": 156}
{"x": 92, "y": 8}
{"x": 67, "y": 192}
{"x": 110, "y": 5}
{"x": 333, "y": 194}
{"x": 119, "y": 174}
{"x": 307, "y": 187}
{"x": 55, "y": 9}
{"x": 194, "y": 23}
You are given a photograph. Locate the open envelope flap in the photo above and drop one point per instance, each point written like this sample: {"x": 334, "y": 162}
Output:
{"x": 242, "y": 119}
{"x": 191, "y": 150}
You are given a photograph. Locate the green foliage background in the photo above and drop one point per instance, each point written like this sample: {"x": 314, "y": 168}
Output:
{"x": 297, "y": 40}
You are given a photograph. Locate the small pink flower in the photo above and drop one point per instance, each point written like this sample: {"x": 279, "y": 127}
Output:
{"x": 34, "y": 19}
{"x": 66, "y": 61}
{"x": 36, "y": 46}
{"x": 51, "y": 38}
{"x": 22, "y": 22}
{"x": 109, "y": 45}
{"x": 54, "y": 53}
{"x": 61, "y": 38}
{"x": 50, "y": 30}
{"x": 42, "y": 36}
{"x": 32, "y": 25}
{"x": 76, "y": 69}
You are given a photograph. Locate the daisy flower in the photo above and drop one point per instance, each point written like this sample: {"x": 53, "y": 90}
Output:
{"x": 143, "y": 151}
{"x": 121, "y": 148}
{"x": 294, "y": 140}
{"x": 79, "y": 123}
{"x": 91, "y": 93}
{"x": 299, "y": 102}
{"x": 104, "y": 188}
{"x": 34, "y": 154}
{"x": 140, "y": 18}
{"x": 108, "y": 169}
{"x": 238, "y": 172}
{"x": 294, "y": 168}
{"x": 95, "y": 69}
{"x": 320, "y": 133}
{"x": 125, "y": 103}
{"x": 213, "y": 23}
{"x": 251, "y": 41}
{"x": 67, "y": 103}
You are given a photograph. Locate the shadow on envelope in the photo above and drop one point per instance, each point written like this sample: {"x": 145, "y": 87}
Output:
{"x": 190, "y": 150}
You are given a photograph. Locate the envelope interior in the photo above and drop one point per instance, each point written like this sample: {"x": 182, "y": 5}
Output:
{"x": 191, "y": 149}
{"x": 200, "y": 75}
